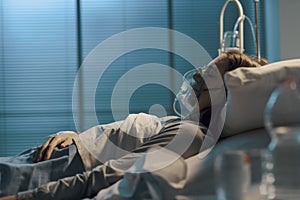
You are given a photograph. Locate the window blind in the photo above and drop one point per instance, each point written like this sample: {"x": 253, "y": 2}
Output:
{"x": 102, "y": 19}
{"x": 38, "y": 65}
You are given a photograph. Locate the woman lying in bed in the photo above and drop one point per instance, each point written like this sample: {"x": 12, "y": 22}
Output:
{"x": 75, "y": 166}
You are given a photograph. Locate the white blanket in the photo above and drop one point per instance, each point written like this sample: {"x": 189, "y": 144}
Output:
{"x": 92, "y": 148}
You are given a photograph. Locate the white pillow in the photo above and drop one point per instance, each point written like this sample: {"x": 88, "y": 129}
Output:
{"x": 248, "y": 92}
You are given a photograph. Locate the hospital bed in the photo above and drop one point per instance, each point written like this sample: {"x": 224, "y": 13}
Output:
{"x": 248, "y": 92}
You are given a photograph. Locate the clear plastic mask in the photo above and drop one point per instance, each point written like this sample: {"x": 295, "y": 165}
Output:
{"x": 186, "y": 101}
{"x": 186, "y": 98}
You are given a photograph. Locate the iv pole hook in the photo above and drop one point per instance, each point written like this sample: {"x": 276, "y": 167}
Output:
{"x": 241, "y": 25}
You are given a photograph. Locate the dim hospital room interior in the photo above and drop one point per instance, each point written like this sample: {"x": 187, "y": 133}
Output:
{"x": 73, "y": 65}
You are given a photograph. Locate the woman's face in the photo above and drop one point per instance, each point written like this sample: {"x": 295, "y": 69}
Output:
{"x": 210, "y": 81}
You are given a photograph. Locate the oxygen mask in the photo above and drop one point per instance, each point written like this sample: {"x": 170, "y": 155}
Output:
{"x": 186, "y": 100}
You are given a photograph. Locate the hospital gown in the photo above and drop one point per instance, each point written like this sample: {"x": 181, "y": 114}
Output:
{"x": 93, "y": 162}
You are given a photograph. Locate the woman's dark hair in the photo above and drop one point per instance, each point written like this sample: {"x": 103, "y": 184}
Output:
{"x": 237, "y": 60}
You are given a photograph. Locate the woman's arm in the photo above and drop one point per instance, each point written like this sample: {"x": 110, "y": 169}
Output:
{"x": 14, "y": 197}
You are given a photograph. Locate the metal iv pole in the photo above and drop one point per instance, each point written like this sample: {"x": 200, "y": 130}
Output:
{"x": 241, "y": 26}
{"x": 257, "y": 30}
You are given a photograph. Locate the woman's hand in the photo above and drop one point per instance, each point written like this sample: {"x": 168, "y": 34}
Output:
{"x": 61, "y": 140}
{"x": 14, "y": 197}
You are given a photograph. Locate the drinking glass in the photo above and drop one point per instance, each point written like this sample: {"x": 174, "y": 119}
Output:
{"x": 281, "y": 176}
{"x": 232, "y": 175}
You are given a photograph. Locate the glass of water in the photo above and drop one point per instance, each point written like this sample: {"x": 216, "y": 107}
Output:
{"x": 281, "y": 176}
{"x": 232, "y": 175}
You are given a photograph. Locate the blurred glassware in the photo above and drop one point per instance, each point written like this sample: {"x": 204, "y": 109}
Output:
{"x": 281, "y": 162}
{"x": 232, "y": 175}
{"x": 255, "y": 159}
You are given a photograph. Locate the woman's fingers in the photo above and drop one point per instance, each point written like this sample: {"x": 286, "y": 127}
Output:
{"x": 40, "y": 150}
{"x": 66, "y": 143}
{"x": 46, "y": 150}
{"x": 67, "y": 138}
{"x": 60, "y": 140}
{"x": 56, "y": 141}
